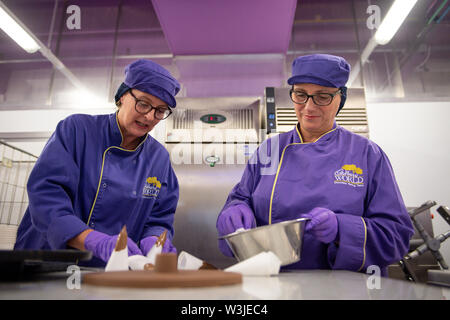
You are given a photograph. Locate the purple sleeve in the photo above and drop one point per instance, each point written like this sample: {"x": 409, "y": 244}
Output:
{"x": 52, "y": 186}
{"x": 381, "y": 236}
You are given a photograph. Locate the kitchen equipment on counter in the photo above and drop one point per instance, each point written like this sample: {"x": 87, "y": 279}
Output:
{"x": 424, "y": 262}
{"x": 18, "y": 264}
{"x": 284, "y": 239}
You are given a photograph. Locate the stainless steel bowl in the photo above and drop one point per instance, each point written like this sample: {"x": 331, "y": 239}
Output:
{"x": 282, "y": 238}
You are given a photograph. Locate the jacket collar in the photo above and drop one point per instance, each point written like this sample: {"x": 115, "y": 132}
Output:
{"x": 324, "y": 137}
{"x": 114, "y": 129}
{"x": 116, "y": 133}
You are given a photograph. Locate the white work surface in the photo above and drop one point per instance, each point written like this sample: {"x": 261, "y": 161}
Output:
{"x": 298, "y": 285}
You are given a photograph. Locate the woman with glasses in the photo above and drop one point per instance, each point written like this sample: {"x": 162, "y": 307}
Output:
{"x": 341, "y": 181}
{"x": 99, "y": 173}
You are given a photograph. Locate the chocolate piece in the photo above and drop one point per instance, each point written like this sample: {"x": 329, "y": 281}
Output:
{"x": 166, "y": 262}
{"x": 207, "y": 266}
{"x": 149, "y": 267}
{"x": 122, "y": 240}
{"x": 161, "y": 239}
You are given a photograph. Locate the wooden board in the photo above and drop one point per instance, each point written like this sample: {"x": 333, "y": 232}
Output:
{"x": 152, "y": 279}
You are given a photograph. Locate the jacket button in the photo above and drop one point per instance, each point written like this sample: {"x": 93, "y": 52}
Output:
{"x": 104, "y": 185}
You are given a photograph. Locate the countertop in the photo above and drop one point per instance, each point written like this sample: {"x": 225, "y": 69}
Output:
{"x": 298, "y": 285}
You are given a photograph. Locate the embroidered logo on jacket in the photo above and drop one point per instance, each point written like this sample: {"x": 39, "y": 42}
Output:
{"x": 350, "y": 175}
{"x": 151, "y": 187}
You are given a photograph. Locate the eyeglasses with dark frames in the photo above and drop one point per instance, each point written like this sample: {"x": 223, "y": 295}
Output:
{"x": 320, "y": 99}
{"x": 143, "y": 107}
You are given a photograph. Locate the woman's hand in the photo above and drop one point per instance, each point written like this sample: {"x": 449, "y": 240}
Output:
{"x": 102, "y": 245}
{"x": 235, "y": 217}
{"x": 323, "y": 224}
{"x": 231, "y": 219}
{"x": 148, "y": 242}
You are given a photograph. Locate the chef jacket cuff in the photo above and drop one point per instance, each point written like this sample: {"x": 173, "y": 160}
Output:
{"x": 62, "y": 229}
{"x": 348, "y": 251}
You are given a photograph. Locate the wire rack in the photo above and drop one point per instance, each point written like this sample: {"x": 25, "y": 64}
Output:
{"x": 15, "y": 167}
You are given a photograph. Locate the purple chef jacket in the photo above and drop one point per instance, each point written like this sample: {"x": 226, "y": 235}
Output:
{"x": 84, "y": 179}
{"x": 343, "y": 172}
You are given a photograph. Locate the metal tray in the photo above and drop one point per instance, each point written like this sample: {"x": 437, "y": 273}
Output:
{"x": 18, "y": 265}
{"x": 43, "y": 255}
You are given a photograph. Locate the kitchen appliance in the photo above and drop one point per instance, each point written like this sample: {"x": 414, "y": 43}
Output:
{"x": 428, "y": 244}
{"x": 209, "y": 141}
{"x": 284, "y": 239}
{"x": 23, "y": 264}
{"x": 280, "y": 113}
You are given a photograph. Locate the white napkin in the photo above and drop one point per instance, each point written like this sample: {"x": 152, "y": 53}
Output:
{"x": 154, "y": 251}
{"x": 138, "y": 262}
{"x": 187, "y": 261}
{"x": 262, "y": 264}
{"x": 118, "y": 261}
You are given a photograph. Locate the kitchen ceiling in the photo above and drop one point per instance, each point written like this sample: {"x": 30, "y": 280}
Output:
{"x": 220, "y": 48}
{"x": 226, "y": 27}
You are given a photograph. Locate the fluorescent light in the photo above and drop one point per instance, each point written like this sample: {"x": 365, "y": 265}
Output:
{"x": 393, "y": 20}
{"x": 12, "y": 27}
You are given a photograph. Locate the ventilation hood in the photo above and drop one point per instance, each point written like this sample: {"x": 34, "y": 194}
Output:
{"x": 226, "y": 27}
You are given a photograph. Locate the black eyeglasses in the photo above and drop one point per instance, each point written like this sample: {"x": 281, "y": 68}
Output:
{"x": 320, "y": 99}
{"x": 143, "y": 107}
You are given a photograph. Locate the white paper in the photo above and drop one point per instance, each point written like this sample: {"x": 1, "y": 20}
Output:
{"x": 187, "y": 261}
{"x": 118, "y": 261}
{"x": 138, "y": 262}
{"x": 154, "y": 251}
{"x": 262, "y": 264}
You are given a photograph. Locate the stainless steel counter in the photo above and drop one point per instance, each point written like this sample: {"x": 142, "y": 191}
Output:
{"x": 299, "y": 285}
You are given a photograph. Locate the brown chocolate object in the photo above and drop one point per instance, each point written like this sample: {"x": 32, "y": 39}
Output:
{"x": 161, "y": 239}
{"x": 163, "y": 275}
{"x": 166, "y": 262}
{"x": 122, "y": 240}
{"x": 149, "y": 267}
{"x": 152, "y": 279}
{"x": 207, "y": 266}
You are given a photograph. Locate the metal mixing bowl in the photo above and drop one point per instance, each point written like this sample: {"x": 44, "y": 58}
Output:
{"x": 283, "y": 238}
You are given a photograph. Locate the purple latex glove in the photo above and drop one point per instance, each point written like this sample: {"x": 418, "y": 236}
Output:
{"x": 323, "y": 224}
{"x": 231, "y": 219}
{"x": 102, "y": 245}
{"x": 235, "y": 217}
{"x": 147, "y": 243}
